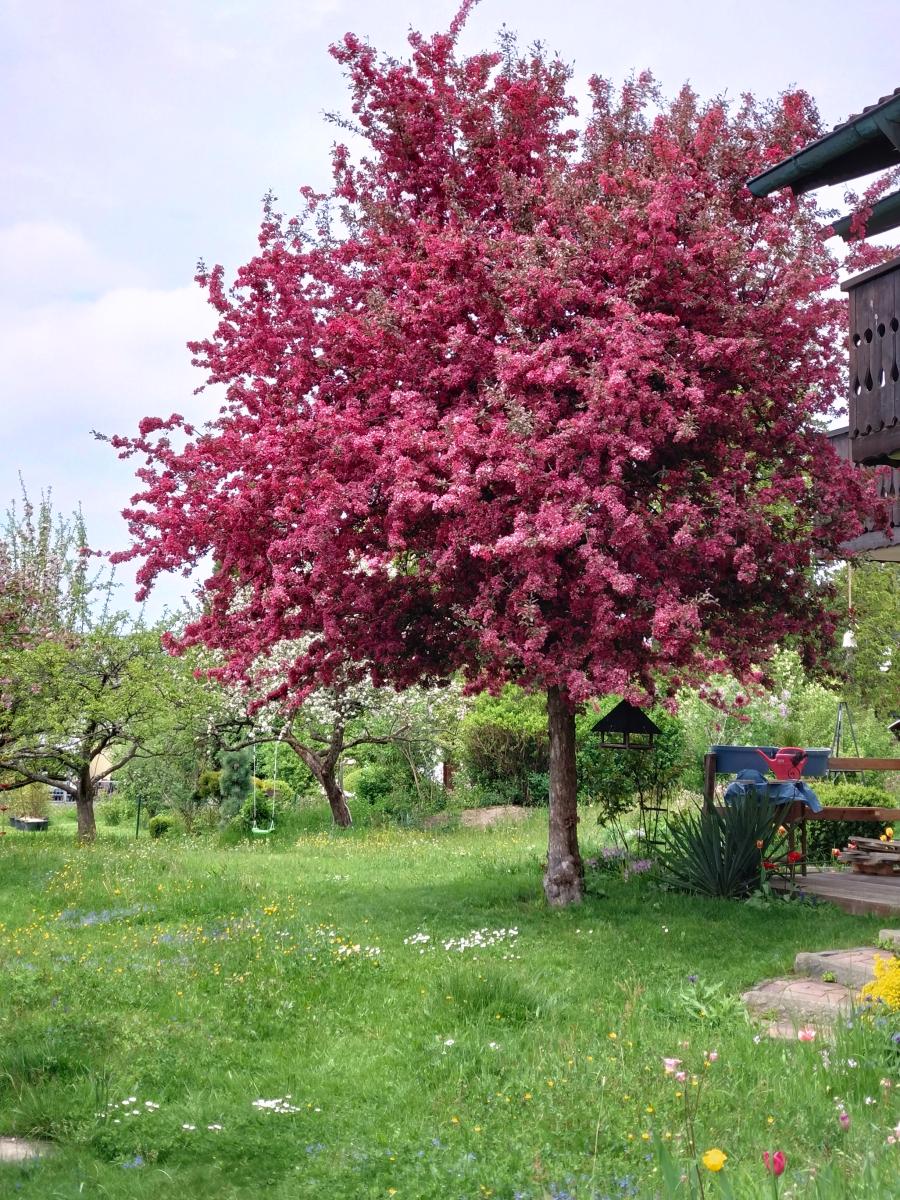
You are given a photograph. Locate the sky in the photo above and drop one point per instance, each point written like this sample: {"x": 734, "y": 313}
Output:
{"x": 137, "y": 138}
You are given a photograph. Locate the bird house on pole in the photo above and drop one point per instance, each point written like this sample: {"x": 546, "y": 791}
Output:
{"x": 626, "y": 728}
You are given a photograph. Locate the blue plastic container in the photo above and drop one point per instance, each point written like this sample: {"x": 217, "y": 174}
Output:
{"x": 731, "y": 759}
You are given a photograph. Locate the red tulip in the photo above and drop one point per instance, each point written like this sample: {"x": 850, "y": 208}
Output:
{"x": 775, "y": 1163}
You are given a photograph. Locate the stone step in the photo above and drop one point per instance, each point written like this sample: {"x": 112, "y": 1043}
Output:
{"x": 890, "y": 936}
{"x": 853, "y": 968}
{"x": 799, "y": 1000}
{"x": 788, "y": 1031}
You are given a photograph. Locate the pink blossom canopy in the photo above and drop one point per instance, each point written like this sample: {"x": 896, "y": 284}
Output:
{"x": 516, "y": 401}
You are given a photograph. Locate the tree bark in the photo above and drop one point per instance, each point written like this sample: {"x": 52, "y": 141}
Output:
{"x": 564, "y": 876}
{"x": 84, "y": 804}
{"x": 340, "y": 813}
{"x": 324, "y": 770}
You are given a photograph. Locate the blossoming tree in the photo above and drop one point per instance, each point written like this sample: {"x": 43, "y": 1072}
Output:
{"x": 516, "y": 401}
{"x": 339, "y": 718}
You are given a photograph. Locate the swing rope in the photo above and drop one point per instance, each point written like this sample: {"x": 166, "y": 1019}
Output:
{"x": 256, "y": 827}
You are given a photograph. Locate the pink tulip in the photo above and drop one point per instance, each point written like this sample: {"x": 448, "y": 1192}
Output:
{"x": 806, "y": 1034}
{"x": 775, "y": 1163}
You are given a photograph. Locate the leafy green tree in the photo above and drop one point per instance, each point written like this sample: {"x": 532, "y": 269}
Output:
{"x": 872, "y": 668}
{"x": 79, "y": 709}
{"x": 45, "y": 577}
{"x": 84, "y": 690}
{"x": 794, "y": 711}
{"x": 168, "y": 778}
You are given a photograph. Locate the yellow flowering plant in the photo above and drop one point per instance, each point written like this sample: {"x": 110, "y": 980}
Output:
{"x": 714, "y": 1160}
{"x": 885, "y": 987}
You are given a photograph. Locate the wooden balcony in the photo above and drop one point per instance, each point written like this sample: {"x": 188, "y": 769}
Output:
{"x": 873, "y": 543}
{"x": 874, "y": 399}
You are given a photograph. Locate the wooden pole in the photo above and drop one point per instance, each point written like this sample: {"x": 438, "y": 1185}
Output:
{"x": 709, "y": 782}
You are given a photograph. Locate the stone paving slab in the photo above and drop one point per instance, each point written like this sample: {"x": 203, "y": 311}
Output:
{"x": 850, "y": 967}
{"x": 789, "y": 1031}
{"x": 16, "y": 1150}
{"x": 796, "y": 999}
{"x": 890, "y": 935}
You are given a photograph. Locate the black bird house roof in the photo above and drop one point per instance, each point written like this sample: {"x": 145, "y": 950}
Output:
{"x": 625, "y": 718}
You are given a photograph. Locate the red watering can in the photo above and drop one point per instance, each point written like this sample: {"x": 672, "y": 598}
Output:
{"x": 788, "y": 762}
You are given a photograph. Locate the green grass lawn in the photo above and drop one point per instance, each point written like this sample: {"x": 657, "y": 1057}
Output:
{"x": 154, "y": 994}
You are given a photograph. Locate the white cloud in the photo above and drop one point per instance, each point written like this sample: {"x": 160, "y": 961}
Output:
{"x": 104, "y": 362}
{"x": 73, "y": 366}
{"x": 42, "y": 260}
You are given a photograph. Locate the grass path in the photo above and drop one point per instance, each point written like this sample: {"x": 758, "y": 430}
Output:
{"x": 153, "y": 992}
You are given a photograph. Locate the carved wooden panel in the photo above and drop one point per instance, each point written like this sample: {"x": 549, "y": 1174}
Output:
{"x": 874, "y": 402}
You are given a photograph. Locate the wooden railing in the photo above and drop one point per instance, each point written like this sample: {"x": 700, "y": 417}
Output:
{"x": 874, "y": 398}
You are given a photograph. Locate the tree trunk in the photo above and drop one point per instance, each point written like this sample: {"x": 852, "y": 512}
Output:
{"x": 338, "y": 801}
{"x": 564, "y": 877}
{"x": 324, "y": 771}
{"x": 84, "y": 804}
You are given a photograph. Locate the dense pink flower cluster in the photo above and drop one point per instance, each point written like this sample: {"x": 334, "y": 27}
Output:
{"x": 513, "y": 400}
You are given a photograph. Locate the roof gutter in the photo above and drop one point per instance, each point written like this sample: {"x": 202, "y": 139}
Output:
{"x": 885, "y": 215}
{"x": 869, "y": 126}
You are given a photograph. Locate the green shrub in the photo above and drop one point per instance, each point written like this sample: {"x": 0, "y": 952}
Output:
{"x": 33, "y": 800}
{"x": 111, "y": 811}
{"x": 620, "y": 781}
{"x": 280, "y": 791}
{"x": 715, "y": 853}
{"x": 257, "y": 811}
{"x": 386, "y": 790}
{"x": 505, "y": 747}
{"x": 823, "y": 836}
{"x": 373, "y": 783}
{"x": 164, "y": 824}
{"x": 207, "y": 788}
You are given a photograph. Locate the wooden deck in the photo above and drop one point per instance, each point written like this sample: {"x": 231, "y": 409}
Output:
{"x": 855, "y": 893}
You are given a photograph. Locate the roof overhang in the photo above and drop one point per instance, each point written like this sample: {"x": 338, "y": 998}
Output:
{"x": 867, "y": 143}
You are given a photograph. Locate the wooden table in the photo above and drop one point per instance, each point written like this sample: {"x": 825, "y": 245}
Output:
{"x": 797, "y": 814}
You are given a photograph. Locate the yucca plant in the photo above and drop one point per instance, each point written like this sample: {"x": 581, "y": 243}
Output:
{"x": 718, "y": 852}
